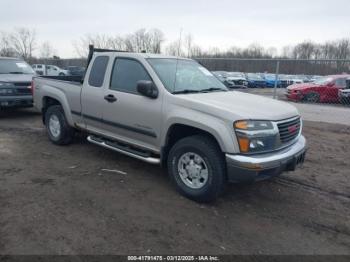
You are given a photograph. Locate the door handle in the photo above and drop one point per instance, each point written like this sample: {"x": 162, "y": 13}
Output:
{"x": 110, "y": 98}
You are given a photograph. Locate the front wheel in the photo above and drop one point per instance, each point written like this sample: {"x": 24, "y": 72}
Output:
{"x": 58, "y": 129}
{"x": 197, "y": 167}
{"x": 312, "y": 97}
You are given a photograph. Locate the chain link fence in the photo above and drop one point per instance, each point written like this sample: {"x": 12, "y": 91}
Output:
{"x": 320, "y": 89}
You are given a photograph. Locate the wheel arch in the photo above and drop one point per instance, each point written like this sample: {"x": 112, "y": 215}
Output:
{"x": 53, "y": 99}
{"x": 178, "y": 131}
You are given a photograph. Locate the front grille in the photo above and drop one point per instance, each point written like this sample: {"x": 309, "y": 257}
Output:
{"x": 24, "y": 84}
{"x": 23, "y": 91}
{"x": 289, "y": 129}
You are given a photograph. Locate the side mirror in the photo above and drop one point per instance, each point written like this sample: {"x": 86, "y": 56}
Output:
{"x": 147, "y": 88}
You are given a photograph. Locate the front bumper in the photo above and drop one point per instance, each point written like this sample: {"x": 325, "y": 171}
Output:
{"x": 247, "y": 169}
{"x": 293, "y": 96}
{"x": 16, "y": 101}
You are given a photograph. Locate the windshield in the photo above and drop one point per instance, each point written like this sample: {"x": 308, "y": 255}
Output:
{"x": 10, "y": 66}
{"x": 323, "y": 80}
{"x": 179, "y": 75}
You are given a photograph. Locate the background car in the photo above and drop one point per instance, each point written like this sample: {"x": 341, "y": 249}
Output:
{"x": 325, "y": 89}
{"x": 270, "y": 80}
{"x": 49, "y": 70}
{"x": 255, "y": 80}
{"x": 236, "y": 80}
{"x": 76, "y": 71}
{"x": 15, "y": 83}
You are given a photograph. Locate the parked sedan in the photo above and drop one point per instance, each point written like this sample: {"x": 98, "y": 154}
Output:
{"x": 255, "y": 80}
{"x": 270, "y": 80}
{"x": 325, "y": 89}
{"x": 236, "y": 80}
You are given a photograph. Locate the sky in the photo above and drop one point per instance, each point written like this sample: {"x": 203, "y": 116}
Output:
{"x": 221, "y": 23}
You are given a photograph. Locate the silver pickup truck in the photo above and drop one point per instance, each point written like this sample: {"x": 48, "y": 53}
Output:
{"x": 173, "y": 111}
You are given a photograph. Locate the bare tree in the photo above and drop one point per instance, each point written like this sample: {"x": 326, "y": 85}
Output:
{"x": 174, "y": 49}
{"x": 98, "y": 40}
{"x": 188, "y": 44}
{"x": 46, "y": 50}
{"x": 156, "y": 39}
{"x": 23, "y": 41}
{"x": 6, "y": 48}
{"x": 141, "y": 40}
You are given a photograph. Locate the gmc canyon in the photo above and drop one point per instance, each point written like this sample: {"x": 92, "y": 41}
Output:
{"x": 173, "y": 111}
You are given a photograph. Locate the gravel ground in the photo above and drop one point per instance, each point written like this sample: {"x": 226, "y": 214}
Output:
{"x": 58, "y": 200}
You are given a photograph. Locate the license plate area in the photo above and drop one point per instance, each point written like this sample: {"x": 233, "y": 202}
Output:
{"x": 297, "y": 162}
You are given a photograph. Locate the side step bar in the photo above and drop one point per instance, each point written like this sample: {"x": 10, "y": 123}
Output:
{"x": 144, "y": 156}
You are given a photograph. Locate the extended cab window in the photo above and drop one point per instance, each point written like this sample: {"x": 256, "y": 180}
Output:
{"x": 126, "y": 73}
{"x": 98, "y": 71}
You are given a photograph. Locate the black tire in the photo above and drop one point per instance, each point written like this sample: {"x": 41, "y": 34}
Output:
{"x": 61, "y": 74}
{"x": 312, "y": 97}
{"x": 66, "y": 133}
{"x": 210, "y": 152}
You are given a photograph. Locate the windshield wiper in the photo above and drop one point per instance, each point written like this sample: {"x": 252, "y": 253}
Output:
{"x": 212, "y": 89}
{"x": 186, "y": 91}
{"x": 16, "y": 73}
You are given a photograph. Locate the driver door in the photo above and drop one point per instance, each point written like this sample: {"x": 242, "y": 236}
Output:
{"x": 128, "y": 115}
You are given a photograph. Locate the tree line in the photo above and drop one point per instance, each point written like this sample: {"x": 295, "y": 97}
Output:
{"x": 23, "y": 42}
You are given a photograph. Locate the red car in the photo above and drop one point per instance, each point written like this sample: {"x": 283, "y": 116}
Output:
{"x": 324, "y": 89}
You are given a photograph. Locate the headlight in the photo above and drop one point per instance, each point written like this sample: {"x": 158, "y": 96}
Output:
{"x": 6, "y": 91}
{"x": 5, "y": 88}
{"x": 256, "y": 136}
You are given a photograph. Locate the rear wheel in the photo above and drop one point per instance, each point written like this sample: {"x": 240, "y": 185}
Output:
{"x": 58, "y": 129}
{"x": 197, "y": 168}
{"x": 312, "y": 97}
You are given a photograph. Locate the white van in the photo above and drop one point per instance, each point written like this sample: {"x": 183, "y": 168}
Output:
{"x": 49, "y": 70}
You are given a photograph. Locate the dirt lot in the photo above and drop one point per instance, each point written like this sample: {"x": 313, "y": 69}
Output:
{"x": 57, "y": 200}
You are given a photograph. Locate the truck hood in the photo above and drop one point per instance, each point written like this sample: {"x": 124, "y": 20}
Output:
{"x": 14, "y": 78}
{"x": 237, "y": 105}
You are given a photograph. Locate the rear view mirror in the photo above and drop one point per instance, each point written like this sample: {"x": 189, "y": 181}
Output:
{"x": 147, "y": 88}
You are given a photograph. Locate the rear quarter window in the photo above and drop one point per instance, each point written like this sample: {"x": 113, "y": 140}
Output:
{"x": 98, "y": 71}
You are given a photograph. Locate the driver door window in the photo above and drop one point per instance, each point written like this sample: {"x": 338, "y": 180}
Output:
{"x": 126, "y": 73}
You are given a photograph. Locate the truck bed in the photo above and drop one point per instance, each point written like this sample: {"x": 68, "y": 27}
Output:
{"x": 66, "y": 89}
{"x": 77, "y": 79}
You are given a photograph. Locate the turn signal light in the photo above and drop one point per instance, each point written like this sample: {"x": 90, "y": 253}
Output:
{"x": 243, "y": 144}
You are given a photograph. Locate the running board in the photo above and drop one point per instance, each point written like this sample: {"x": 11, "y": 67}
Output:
{"x": 141, "y": 155}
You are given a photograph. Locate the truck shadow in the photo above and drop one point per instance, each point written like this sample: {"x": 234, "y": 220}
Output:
{"x": 17, "y": 113}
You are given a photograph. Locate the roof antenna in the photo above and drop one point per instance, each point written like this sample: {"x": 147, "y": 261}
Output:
{"x": 177, "y": 60}
{"x": 179, "y": 47}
